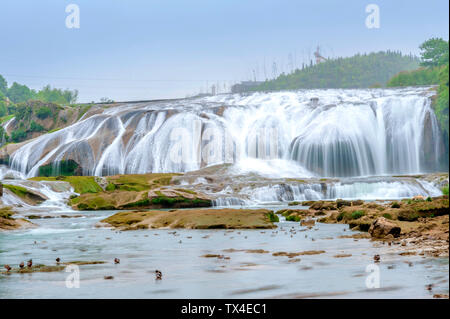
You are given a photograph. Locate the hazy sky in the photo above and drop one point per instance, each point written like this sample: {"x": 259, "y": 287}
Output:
{"x": 130, "y": 49}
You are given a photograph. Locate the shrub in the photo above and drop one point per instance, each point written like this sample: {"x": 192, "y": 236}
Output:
{"x": 387, "y": 216}
{"x": 35, "y": 127}
{"x": 408, "y": 216}
{"x": 357, "y": 214}
{"x": 43, "y": 112}
{"x": 110, "y": 187}
{"x": 293, "y": 218}
{"x": 273, "y": 218}
{"x": 22, "y": 111}
{"x": 18, "y": 135}
{"x": 395, "y": 205}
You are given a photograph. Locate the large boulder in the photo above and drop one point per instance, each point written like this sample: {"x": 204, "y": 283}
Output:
{"x": 382, "y": 227}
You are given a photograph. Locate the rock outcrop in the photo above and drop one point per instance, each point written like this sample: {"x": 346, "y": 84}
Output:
{"x": 382, "y": 228}
{"x": 193, "y": 219}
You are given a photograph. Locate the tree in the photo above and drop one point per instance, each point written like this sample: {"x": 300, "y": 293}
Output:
{"x": 20, "y": 93}
{"x": 3, "y": 85}
{"x": 435, "y": 52}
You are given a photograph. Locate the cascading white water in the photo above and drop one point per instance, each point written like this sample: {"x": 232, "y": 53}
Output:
{"x": 55, "y": 193}
{"x": 346, "y": 133}
{"x": 366, "y": 190}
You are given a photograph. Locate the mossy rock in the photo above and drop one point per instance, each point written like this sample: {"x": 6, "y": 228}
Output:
{"x": 324, "y": 205}
{"x": 194, "y": 219}
{"x": 362, "y": 224}
{"x": 35, "y": 268}
{"x": 28, "y": 196}
{"x": 407, "y": 215}
{"x": 6, "y": 212}
{"x": 293, "y": 218}
{"x": 80, "y": 184}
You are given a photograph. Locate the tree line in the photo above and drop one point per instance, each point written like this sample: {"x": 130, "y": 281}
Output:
{"x": 433, "y": 71}
{"x": 19, "y": 93}
{"x": 358, "y": 71}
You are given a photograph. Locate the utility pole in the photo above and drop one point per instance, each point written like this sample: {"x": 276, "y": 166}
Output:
{"x": 274, "y": 69}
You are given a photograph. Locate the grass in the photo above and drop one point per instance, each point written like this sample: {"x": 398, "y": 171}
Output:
{"x": 5, "y": 212}
{"x": 139, "y": 182}
{"x": 6, "y": 118}
{"x": 395, "y": 205}
{"x": 81, "y": 184}
{"x": 357, "y": 214}
{"x": 293, "y": 218}
{"x": 18, "y": 190}
{"x": 445, "y": 190}
{"x": 54, "y": 130}
{"x": 387, "y": 216}
{"x": 273, "y": 218}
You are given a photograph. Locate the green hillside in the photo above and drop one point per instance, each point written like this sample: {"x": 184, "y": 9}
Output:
{"x": 358, "y": 71}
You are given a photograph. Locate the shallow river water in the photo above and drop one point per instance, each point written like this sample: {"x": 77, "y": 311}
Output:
{"x": 188, "y": 275}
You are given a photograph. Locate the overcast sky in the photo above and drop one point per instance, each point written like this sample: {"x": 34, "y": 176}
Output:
{"x": 130, "y": 49}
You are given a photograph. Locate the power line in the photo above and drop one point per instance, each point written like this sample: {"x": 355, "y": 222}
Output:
{"x": 107, "y": 79}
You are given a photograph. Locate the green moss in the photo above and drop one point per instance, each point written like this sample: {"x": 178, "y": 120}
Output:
{"x": 92, "y": 203}
{"x": 395, "y": 205}
{"x": 387, "y": 216}
{"x": 36, "y": 268}
{"x": 54, "y": 130}
{"x": 18, "y": 190}
{"x": 110, "y": 187}
{"x": 5, "y": 212}
{"x": 408, "y": 216}
{"x": 140, "y": 182}
{"x": 186, "y": 191}
{"x": 445, "y": 190}
{"x": 141, "y": 203}
{"x": 272, "y": 217}
{"x": 81, "y": 184}
{"x": 357, "y": 214}
{"x": 294, "y": 203}
{"x": 293, "y": 218}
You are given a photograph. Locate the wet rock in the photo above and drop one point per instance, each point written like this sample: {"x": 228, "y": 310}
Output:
{"x": 358, "y": 202}
{"x": 324, "y": 205}
{"x": 382, "y": 227}
{"x": 408, "y": 215}
{"x": 308, "y": 222}
{"x": 342, "y": 255}
{"x": 341, "y": 202}
{"x": 194, "y": 219}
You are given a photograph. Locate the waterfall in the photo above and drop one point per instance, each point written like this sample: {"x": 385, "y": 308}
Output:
{"x": 357, "y": 132}
{"x": 352, "y": 189}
